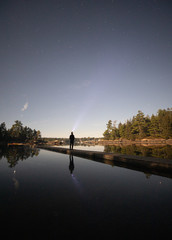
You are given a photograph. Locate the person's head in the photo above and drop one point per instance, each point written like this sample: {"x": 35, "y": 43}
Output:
{"x": 71, "y": 133}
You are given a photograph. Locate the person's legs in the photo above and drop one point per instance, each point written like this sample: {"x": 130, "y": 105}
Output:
{"x": 71, "y": 145}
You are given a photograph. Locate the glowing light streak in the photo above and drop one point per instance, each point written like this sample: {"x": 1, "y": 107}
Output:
{"x": 83, "y": 113}
{"x": 77, "y": 183}
{"x": 96, "y": 90}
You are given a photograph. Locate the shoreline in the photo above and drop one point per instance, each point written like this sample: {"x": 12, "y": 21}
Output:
{"x": 144, "y": 141}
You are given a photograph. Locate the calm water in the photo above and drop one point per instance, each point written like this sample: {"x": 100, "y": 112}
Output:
{"x": 48, "y": 194}
{"x": 160, "y": 151}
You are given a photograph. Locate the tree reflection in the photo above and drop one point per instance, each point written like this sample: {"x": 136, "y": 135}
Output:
{"x": 15, "y": 153}
{"x": 146, "y": 151}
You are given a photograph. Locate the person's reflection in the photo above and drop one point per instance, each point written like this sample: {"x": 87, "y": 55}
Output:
{"x": 71, "y": 163}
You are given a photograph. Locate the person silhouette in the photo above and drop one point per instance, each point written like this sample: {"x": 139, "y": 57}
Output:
{"x": 72, "y": 139}
{"x": 71, "y": 163}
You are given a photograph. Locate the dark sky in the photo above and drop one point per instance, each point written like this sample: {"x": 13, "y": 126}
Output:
{"x": 77, "y": 64}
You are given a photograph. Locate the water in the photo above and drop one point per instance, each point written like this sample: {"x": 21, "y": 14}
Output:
{"x": 160, "y": 151}
{"x": 98, "y": 148}
{"x": 47, "y": 195}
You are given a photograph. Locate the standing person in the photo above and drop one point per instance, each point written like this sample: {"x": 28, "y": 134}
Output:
{"x": 72, "y": 139}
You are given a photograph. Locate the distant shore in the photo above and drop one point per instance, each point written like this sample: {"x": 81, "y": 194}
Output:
{"x": 145, "y": 141}
{"x": 16, "y": 144}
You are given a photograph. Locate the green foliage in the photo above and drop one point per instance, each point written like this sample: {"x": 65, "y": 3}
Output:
{"x": 3, "y": 132}
{"x": 15, "y": 154}
{"x": 147, "y": 151}
{"x": 141, "y": 126}
{"x": 18, "y": 133}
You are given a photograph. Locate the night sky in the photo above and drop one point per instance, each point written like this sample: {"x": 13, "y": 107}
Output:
{"x": 75, "y": 64}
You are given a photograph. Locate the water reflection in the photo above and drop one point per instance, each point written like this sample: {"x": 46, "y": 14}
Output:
{"x": 74, "y": 178}
{"x": 46, "y": 200}
{"x": 71, "y": 163}
{"x": 15, "y": 153}
{"x": 140, "y": 150}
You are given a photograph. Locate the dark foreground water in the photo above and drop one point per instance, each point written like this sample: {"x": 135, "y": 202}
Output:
{"x": 47, "y": 195}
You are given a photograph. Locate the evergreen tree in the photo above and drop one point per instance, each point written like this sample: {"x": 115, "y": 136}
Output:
{"x": 108, "y": 132}
{"x": 114, "y": 132}
{"x": 128, "y": 131}
{"x": 164, "y": 119}
{"x": 154, "y": 127}
{"x": 141, "y": 126}
{"x": 121, "y": 128}
{"x": 3, "y": 132}
{"x": 18, "y": 133}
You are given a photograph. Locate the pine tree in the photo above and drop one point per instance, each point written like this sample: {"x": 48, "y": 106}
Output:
{"x": 107, "y": 133}
{"x": 3, "y": 132}
{"x": 114, "y": 132}
{"x": 139, "y": 125}
{"x": 159, "y": 125}
{"x": 16, "y": 131}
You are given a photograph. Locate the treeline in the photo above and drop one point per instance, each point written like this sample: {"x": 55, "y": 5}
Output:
{"x": 141, "y": 126}
{"x": 18, "y": 133}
